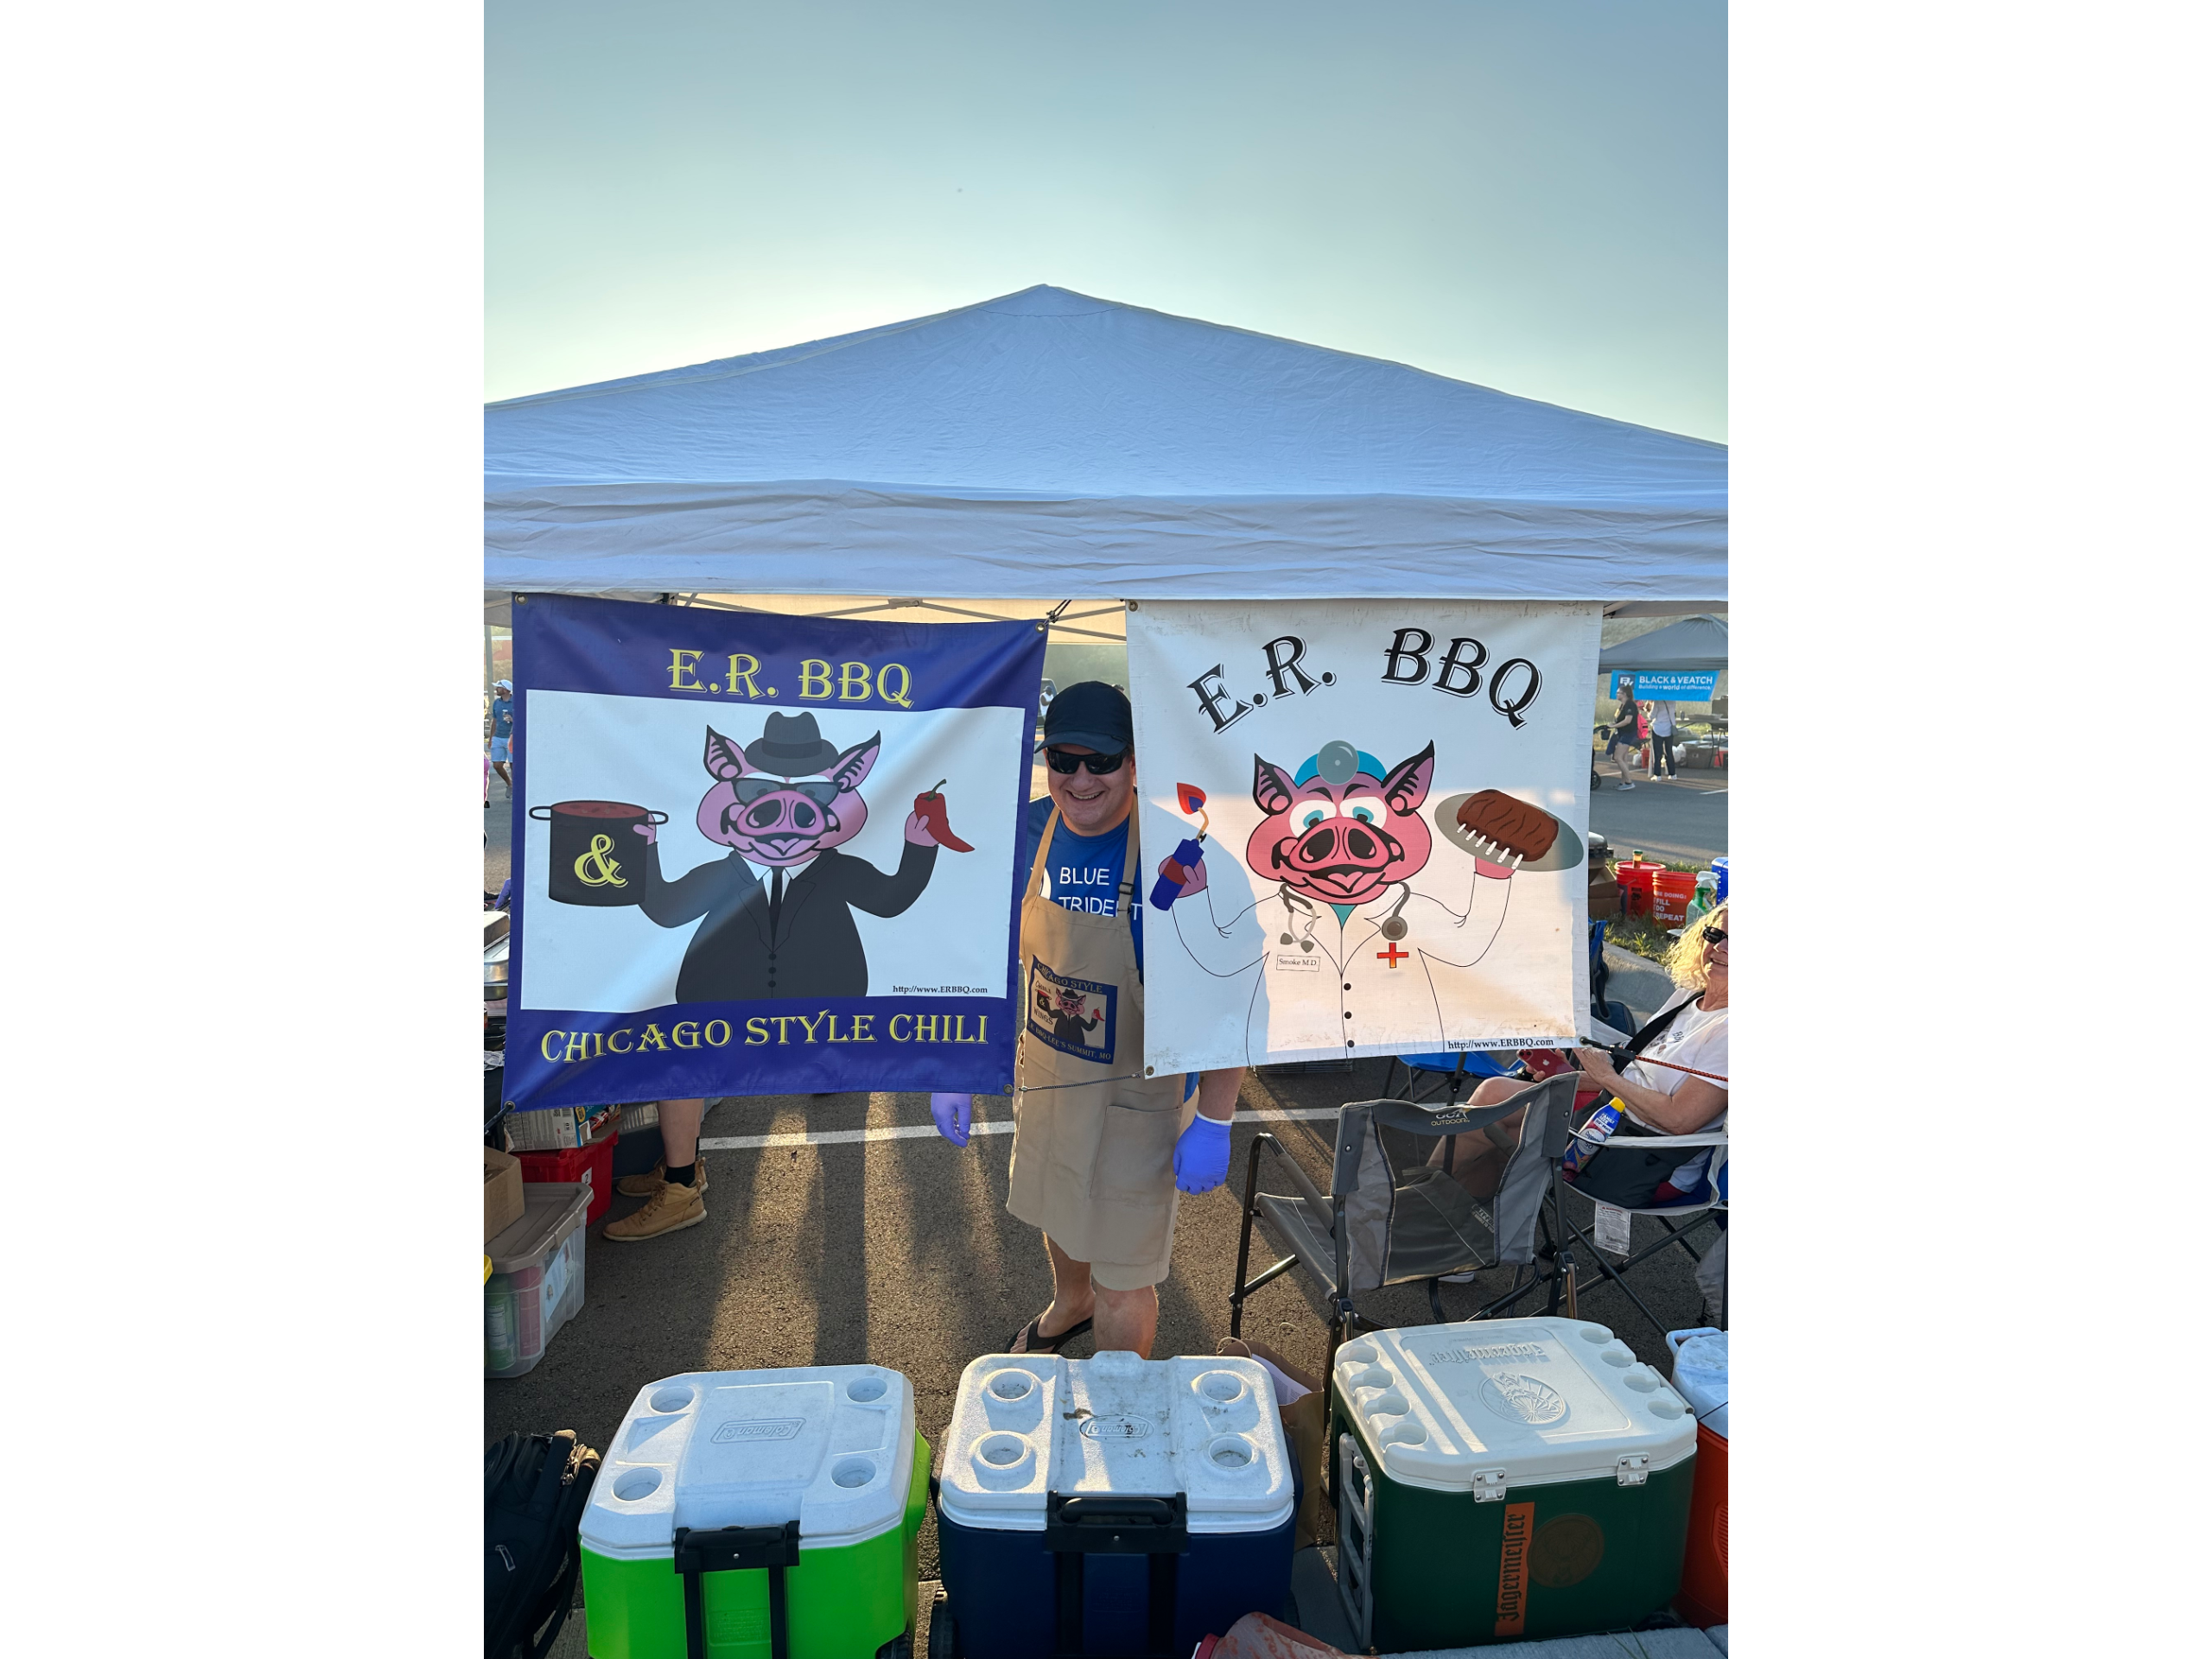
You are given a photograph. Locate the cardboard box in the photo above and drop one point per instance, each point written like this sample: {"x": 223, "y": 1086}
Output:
{"x": 502, "y": 1192}
{"x": 558, "y": 1128}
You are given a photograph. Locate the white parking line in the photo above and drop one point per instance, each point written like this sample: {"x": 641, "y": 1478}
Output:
{"x": 922, "y": 1131}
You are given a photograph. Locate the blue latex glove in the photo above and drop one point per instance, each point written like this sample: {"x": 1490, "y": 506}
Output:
{"x": 1202, "y": 1155}
{"x": 952, "y": 1113}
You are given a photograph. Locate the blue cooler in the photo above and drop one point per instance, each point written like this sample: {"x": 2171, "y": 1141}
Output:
{"x": 1112, "y": 1505}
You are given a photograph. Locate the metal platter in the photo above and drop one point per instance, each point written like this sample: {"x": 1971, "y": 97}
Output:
{"x": 1564, "y": 853}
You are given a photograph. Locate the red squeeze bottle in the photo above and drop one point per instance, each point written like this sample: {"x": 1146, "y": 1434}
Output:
{"x": 931, "y": 804}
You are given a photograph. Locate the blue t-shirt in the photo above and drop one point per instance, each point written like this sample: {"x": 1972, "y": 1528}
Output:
{"x": 1084, "y": 872}
{"x": 503, "y": 717}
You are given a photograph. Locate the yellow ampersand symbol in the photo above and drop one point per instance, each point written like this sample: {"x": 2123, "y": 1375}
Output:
{"x": 596, "y": 869}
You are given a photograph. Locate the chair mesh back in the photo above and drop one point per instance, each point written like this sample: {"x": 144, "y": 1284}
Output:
{"x": 1399, "y": 1227}
{"x": 1364, "y": 1178}
{"x": 1528, "y": 1166}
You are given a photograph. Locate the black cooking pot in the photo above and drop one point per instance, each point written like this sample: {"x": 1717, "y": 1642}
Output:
{"x": 595, "y": 859}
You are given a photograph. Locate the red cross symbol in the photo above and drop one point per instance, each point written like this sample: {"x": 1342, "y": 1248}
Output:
{"x": 1393, "y": 955}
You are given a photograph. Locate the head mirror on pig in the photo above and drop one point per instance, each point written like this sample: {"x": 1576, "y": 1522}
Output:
{"x": 781, "y": 818}
{"x": 1342, "y": 828}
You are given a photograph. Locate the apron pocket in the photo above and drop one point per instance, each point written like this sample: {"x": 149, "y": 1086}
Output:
{"x": 1135, "y": 1163}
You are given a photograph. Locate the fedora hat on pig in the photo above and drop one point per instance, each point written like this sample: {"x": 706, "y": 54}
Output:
{"x": 791, "y": 746}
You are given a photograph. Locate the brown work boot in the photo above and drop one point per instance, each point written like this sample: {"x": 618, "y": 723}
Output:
{"x": 644, "y": 1186}
{"x": 670, "y": 1209}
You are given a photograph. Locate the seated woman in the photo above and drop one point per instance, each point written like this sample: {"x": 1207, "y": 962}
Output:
{"x": 1691, "y": 1031}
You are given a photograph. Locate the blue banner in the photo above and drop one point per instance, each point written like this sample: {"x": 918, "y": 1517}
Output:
{"x": 1654, "y": 685}
{"x": 761, "y": 854}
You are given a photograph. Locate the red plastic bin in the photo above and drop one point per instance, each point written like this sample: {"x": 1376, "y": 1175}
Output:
{"x": 593, "y": 1165}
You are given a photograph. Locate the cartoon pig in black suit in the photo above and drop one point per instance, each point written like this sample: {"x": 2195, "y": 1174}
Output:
{"x": 784, "y": 802}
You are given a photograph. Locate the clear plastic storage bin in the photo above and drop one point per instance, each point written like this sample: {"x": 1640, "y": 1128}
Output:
{"x": 537, "y": 1276}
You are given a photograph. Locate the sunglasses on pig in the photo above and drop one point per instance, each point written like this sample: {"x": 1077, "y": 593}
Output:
{"x": 1100, "y": 764}
{"x": 750, "y": 790}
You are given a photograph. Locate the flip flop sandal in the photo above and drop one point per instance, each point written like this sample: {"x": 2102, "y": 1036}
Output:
{"x": 1030, "y": 1340}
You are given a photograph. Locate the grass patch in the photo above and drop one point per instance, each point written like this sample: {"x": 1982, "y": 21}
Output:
{"x": 1640, "y": 936}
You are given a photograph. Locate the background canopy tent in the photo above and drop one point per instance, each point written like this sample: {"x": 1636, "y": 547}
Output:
{"x": 1048, "y": 446}
{"x": 1693, "y": 644}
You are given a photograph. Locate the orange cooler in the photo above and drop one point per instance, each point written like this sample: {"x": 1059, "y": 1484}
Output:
{"x": 1701, "y": 1376}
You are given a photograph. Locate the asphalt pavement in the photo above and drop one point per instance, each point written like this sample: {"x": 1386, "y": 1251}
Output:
{"x": 899, "y": 1252}
{"x": 1683, "y": 819}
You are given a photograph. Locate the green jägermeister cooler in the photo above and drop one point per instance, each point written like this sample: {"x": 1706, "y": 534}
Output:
{"x": 758, "y": 1515}
{"x": 1504, "y": 1480}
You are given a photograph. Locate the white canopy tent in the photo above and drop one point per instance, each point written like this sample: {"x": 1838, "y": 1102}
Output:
{"x": 1048, "y": 446}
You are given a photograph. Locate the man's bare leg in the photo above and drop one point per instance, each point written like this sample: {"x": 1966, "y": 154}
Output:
{"x": 1127, "y": 1320}
{"x": 1073, "y": 1299}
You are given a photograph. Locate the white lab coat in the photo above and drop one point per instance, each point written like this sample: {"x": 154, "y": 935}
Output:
{"x": 1354, "y": 993}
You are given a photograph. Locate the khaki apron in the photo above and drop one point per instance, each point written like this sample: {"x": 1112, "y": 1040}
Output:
{"x": 1094, "y": 1138}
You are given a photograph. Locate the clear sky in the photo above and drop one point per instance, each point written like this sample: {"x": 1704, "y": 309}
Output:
{"x": 1530, "y": 195}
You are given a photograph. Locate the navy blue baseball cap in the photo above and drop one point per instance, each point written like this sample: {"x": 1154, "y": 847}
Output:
{"x": 1092, "y": 713}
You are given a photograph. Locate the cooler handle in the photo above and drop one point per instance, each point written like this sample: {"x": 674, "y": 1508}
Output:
{"x": 735, "y": 1549}
{"x": 541, "y": 813}
{"x": 1090, "y": 1525}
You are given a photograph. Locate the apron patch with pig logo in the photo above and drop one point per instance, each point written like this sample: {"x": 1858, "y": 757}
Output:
{"x": 1075, "y": 1016}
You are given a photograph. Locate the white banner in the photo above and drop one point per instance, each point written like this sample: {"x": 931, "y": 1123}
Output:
{"x": 1393, "y": 797}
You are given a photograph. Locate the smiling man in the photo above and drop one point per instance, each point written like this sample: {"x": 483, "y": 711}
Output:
{"x": 1101, "y": 1151}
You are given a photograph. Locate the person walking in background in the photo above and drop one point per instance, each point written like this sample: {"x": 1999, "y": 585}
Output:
{"x": 1625, "y": 735}
{"x": 1660, "y": 716}
{"x": 503, "y": 731}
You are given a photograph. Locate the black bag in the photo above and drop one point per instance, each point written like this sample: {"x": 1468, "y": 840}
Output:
{"x": 535, "y": 1490}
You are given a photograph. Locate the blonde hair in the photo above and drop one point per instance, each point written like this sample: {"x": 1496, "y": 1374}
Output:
{"x": 1685, "y": 959}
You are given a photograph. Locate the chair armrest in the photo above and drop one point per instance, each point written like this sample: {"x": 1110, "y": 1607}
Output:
{"x": 1710, "y": 1138}
{"x": 1300, "y": 1180}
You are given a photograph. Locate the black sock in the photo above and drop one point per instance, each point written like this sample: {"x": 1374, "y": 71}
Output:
{"x": 681, "y": 1174}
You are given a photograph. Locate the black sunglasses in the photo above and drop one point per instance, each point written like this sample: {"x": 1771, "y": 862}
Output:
{"x": 1715, "y": 936}
{"x": 1101, "y": 764}
{"x": 749, "y": 790}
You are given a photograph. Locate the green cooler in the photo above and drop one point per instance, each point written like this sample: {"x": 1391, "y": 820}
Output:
{"x": 1504, "y": 1480}
{"x": 758, "y": 1515}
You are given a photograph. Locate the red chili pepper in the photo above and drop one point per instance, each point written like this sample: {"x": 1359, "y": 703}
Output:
{"x": 931, "y": 805}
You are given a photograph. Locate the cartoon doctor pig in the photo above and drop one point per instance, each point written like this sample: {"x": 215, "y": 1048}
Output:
{"x": 1340, "y": 838}
{"x": 778, "y": 910}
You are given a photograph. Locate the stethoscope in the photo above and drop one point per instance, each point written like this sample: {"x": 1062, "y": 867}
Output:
{"x": 1392, "y": 927}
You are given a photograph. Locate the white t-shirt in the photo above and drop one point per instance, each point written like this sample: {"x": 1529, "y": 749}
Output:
{"x": 1662, "y": 720}
{"x": 1696, "y": 1037}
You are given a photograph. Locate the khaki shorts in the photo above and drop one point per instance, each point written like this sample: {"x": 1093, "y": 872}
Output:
{"x": 1134, "y": 1275}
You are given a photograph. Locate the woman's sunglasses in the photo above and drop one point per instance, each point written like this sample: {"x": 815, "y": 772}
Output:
{"x": 1715, "y": 936}
{"x": 1062, "y": 760}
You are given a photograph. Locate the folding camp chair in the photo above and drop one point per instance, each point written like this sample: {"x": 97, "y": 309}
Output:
{"x": 1712, "y": 1206}
{"x": 1379, "y": 1225}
